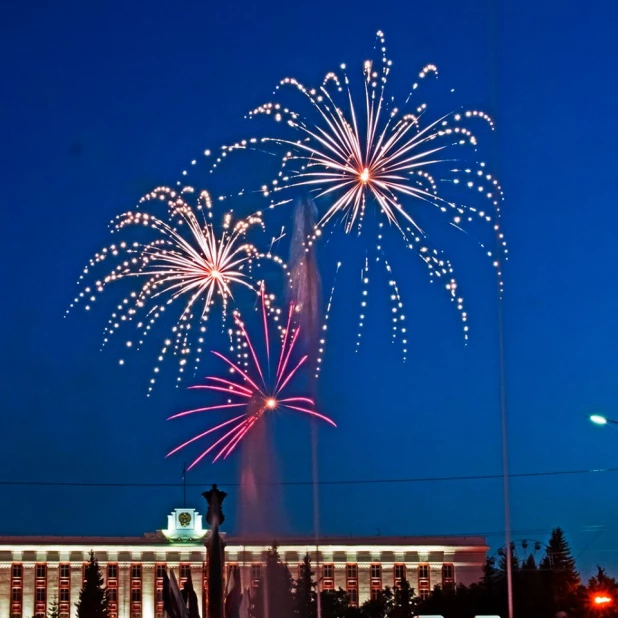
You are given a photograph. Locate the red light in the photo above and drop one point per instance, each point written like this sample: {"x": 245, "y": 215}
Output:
{"x": 601, "y": 599}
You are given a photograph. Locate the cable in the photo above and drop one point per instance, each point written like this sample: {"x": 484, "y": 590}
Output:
{"x": 427, "y": 479}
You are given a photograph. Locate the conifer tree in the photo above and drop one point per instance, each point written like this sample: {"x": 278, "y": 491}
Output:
{"x": 564, "y": 576}
{"x": 305, "y": 597}
{"x": 403, "y": 605}
{"x": 273, "y": 597}
{"x": 93, "y": 596}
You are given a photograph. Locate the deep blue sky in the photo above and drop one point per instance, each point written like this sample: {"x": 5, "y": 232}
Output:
{"x": 103, "y": 101}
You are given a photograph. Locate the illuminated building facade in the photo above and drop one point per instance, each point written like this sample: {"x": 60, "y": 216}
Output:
{"x": 35, "y": 570}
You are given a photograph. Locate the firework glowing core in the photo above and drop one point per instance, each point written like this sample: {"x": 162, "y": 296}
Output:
{"x": 364, "y": 176}
{"x": 271, "y": 403}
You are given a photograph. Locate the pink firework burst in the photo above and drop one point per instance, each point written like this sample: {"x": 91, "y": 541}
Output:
{"x": 252, "y": 388}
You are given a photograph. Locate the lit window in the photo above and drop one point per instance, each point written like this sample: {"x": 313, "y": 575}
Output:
{"x": 112, "y": 571}
{"x": 136, "y": 595}
{"x": 17, "y": 571}
{"x": 41, "y": 571}
{"x": 136, "y": 571}
{"x": 376, "y": 571}
{"x": 423, "y": 571}
{"x": 40, "y": 595}
{"x": 256, "y": 574}
{"x": 400, "y": 573}
{"x": 351, "y": 571}
{"x": 65, "y": 571}
{"x": 328, "y": 571}
{"x": 65, "y": 595}
{"x": 16, "y": 595}
{"x": 353, "y": 596}
{"x": 448, "y": 574}
{"x": 160, "y": 571}
{"x": 185, "y": 571}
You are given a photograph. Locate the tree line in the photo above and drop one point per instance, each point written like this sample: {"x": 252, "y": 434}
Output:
{"x": 552, "y": 587}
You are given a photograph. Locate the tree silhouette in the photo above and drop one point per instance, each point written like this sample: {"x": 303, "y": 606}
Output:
{"x": 273, "y": 597}
{"x": 93, "y": 596}
{"x": 380, "y": 606}
{"x": 305, "y": 597}
{"x": 564, "y": 579}
{"x": 403, "y": 603}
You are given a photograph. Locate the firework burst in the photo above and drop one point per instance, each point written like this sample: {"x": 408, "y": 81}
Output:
{"x": 182, "y": 263}
{"x": 252, "y": 387}
{"x": 357, "y": 153}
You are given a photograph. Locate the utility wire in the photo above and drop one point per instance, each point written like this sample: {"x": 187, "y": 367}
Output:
{"x": 426, "y": 479}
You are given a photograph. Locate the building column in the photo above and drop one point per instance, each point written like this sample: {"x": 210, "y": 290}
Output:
{"x": 28, "y": 589}
{"x": 5, "y": 589}
{"x": 77, "y": 582}
{"x": 53, "y": 583}
{"x": 364, "y": 583}
{"x": 148, "y": 590}
{"x": 124, "y": 590}
{"x": 196, "y": 578}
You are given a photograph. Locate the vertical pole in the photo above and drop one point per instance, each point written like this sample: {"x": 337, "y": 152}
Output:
{"x": 505, "y": 464}
{"x": 184, "y": 485}
{"x": 493, "y": 6}
{"x": 316, "y": 511}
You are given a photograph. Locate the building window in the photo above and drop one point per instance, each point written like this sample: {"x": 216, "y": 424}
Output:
{"x": 112, "y": 571}
{"x": 16, "y": 595}
{"x": 256, "y": 575}
{"x": 40, "y": 595}
{"x": 353, "y": 596}
{"x": 159, "y": 595}
{"x": 423, "y": 571}
{"x": 400, "y": 573}
{"x": 375, "y": 593}
{"x": 448, "y": 575}
{"x": 328, "y": 576}
{"x": 351, "y": 571}
{"x": 136, "y": 571}
{"x": 136, "y": 595}
{"x": 64, "y": 595}
{"x": 112, "y": 595}
{"x": 376, "y": 571}
{"x": 185, "y": 571}
{"x": 160, "y": 571}
{"x": 17, "y": 571}
{"x": 41, "y": 571}
{"x": 424, "y": 587}
{"x": 65, "y": 571}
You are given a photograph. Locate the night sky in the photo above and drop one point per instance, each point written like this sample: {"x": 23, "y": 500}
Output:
{"x": 104, "y": 101}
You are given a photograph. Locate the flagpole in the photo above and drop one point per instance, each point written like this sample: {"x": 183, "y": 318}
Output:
{"x": 184, "y": 485}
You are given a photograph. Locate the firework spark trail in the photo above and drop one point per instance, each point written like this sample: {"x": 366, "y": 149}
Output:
{"x": 354, "y": 152}
{"x": 187, "y": 264}
{"x": 258, "y": 393}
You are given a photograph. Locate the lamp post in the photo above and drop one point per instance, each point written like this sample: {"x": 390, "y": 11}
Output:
{"x": 598, "y": 419}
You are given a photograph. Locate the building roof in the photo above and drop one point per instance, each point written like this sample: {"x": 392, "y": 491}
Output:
{"x": 158, "y": 539}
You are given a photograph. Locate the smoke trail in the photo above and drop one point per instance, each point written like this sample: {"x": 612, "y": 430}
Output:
{"x": 306, "y": 284}
{"x": 306, "y": 294}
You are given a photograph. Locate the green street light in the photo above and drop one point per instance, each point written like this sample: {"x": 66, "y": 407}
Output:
{"x": 597, "y": 419}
